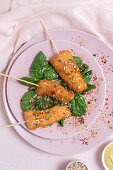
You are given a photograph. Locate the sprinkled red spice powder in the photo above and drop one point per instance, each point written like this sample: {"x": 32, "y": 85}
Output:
{"x": 103, "y": 60}
{"x": 84, "y": 141}
{"x": 110, "y": 127}
{"x": 95, "y": 78}
{"x": 81, "y": 120}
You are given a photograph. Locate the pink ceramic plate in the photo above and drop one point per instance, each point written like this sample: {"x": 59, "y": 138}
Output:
{"x": 101, "y": 129}
{"x": 15, "y": 90}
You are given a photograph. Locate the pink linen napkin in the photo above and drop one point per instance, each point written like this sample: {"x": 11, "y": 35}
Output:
{"x": 23, "y": 22}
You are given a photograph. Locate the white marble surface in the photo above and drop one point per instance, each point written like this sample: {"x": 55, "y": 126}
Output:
{"x": 17, "y": 154}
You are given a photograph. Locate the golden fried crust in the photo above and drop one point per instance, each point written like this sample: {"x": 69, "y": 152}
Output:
{"x": 41, "y": 118}
{"x": 67, "y": 68}
{"x": 54, "y": 90}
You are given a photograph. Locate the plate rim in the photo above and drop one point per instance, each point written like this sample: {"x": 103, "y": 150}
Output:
{"x": 85, "y": 51}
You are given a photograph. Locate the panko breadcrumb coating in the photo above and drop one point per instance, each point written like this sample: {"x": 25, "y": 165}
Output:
{"x": 41, "y": 118}
{"x": 53, "y": 89}
{"x": 67, "y": 68}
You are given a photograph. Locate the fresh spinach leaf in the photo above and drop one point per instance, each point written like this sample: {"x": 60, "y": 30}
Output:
{"x": 61, "y": 122}
{"x": 87, "y": 76}
{"x": 30, "y": 79}
{"x": 65, "y": 85}
{"x": 90, "y": 87}
{"x": 78, "y": 105}
{"x": 72, "y": 104}
{"x": 73, "y": 108}
{"x": 83, "y": 69}
{"x": 78, "y": 61}
{"x": 26, "y": 103}
{"x": 44, "y": 102}
{"x": 75, "y": 112}
{"x": 50, "y": 74}
{"x": 39, "y": 64}
{"x": 77, "y": 108}
{"x": 56, "y": 102}
{"x": 82, "y": 66}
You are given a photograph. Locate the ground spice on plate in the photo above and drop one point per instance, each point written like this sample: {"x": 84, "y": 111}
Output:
{"x": 77, "y": 166}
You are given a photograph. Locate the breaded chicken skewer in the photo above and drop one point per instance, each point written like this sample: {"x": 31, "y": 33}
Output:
{"x": 41, "y": 118}
{"x": 55, "y": 90}
{"x": 67, "y": 68}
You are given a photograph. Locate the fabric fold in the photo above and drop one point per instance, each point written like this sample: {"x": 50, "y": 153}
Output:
{"x": 23, "y": 23}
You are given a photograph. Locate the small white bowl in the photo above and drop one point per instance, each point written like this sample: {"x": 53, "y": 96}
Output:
{"x": 106, "y": 168}
{"x": 74, "y": 162}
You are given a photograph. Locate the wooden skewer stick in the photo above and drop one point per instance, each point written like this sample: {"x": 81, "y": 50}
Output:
{"x": 5, "y": 75}
{"x": 14, "y": 124}
{"x": 49, "y": 36}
